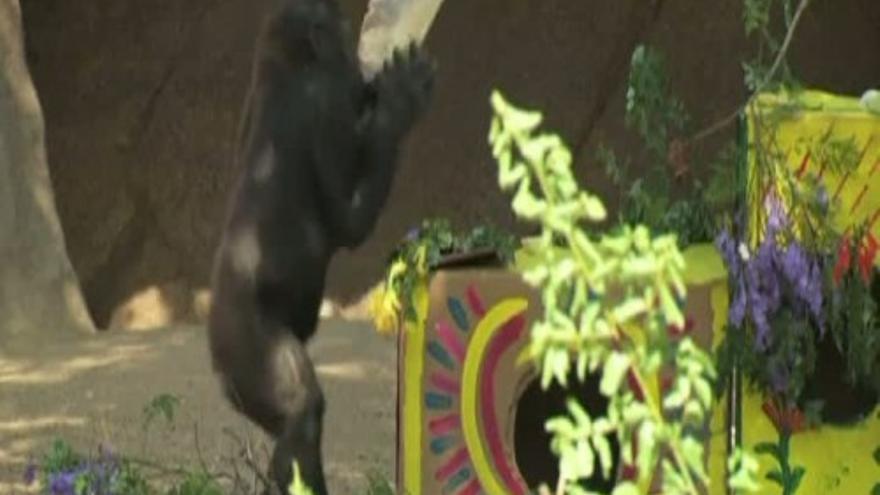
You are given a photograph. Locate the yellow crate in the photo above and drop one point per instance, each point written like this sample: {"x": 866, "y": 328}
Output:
{"x": 838, "y": 460}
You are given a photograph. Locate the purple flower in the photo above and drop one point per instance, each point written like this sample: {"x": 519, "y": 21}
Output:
{"x": 776, "y": 217}
{"x": 737, "y": 312}
{"x": 804, "y": 275}
{"x": 779, "y": 377}
{"x": 30, "y": 473}
{"x": 62, "y": 483}
{"x": 413, "y": 234}
{"x": 769, "y": 277}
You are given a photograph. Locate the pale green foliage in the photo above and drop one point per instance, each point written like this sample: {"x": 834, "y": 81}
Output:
{"x": 297, "y": 486}
{"x": 583, "y": 326}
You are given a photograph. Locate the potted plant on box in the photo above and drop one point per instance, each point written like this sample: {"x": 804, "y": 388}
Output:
{"x": 434, "y": 244}
{"x": 796, "y": 305}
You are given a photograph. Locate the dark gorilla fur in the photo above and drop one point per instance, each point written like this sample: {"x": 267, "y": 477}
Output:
{"x": 319, "y": 149}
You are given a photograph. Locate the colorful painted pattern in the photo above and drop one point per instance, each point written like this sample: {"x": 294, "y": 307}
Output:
{"x": 838, "y": 460}
{"x": 824, "y": 116}
{"x": 459, "y": 396}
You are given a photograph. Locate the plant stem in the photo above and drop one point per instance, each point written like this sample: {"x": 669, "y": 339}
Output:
{"x": 658, "y": 417}
{"x": 777, "y": 63}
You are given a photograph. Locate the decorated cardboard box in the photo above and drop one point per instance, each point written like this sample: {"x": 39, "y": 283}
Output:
{"x": 836, "y": 459}
{"x": 817, "y": 135}
{"x": 470, "y": 417}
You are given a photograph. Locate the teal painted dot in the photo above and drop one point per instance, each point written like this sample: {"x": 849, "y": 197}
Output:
{"x": 459, "y": 314}
{"x": 441, "y": 355}
{"x": 440, "y": 445}
{"x": 457, "y": 480}
{"x": 433, "y": 400}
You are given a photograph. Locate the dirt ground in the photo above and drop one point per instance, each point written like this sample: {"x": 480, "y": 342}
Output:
{"x": 95, "y": 391}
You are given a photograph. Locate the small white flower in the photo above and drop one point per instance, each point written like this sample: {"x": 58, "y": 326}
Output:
{"x": 871, "y": 100}
{"x": 744, "y": 251}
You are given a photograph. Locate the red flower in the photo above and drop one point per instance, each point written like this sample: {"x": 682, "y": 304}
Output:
{"x": 867, "y": 255}
{"x": 787, "y": 420}
{"x": 635, "y": 386}
{"x": 678, "y": 330}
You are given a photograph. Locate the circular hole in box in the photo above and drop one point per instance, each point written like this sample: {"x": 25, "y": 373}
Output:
{"x": 535, "y": 461}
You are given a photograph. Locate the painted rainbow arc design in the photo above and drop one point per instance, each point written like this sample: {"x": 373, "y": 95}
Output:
{"x": 460, "y": 397}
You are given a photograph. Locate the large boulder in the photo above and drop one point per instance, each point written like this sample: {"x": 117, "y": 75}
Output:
{"x": 40, "y": 299}
{"x": 142, "y": 101}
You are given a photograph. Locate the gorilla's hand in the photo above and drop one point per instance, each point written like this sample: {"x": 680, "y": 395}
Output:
{"x": 403, "y": 88}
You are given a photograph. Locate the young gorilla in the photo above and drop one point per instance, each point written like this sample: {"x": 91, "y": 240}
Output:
{"x": 319, "y": 150}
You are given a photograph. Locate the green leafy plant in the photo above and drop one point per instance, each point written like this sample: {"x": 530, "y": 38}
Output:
{"x": 660, "y": 119}
{"x": 63, "y": 471}
{"x": 422, "y": 249}
{"x": 786, "y": 476}
{"x": 853, "y": 307}
{"x": 650, "y": 106}
{"x": 163, "y": 405}
{"x": 631, "y": 338}
{"x": 769, "y": 70}
{"x": 197, "y": 483}
{"x": 377, "y": 484}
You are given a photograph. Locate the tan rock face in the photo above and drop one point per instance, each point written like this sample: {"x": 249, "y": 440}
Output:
{"x": 40, "y": 298}
{"x": 142, "y": 102}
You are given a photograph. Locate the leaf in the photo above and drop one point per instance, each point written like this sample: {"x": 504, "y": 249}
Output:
{"x": 642, "y": 267}
{"x": 594, "y": 208}
{"x": 560, "y": 426}
{"x": 618, "y": 245}
{"x": 634, "y": 413}
{"x": 672, "y": 479}
{"x": 646, "y": 454}
{"x": 671, "y": 310}
{"x": 693, "y": 411}
{"x": 561, "y": 361}
{"x": 704, "y": 392}
{"x": 297, "y": 486}
{"x": 776, "y": 477}
{"x": 626, "y": 488}
{"x": 680, "y": 393}
{"x": 525, "y": 204}
{"x": 603, "y": 450}
{"x": 692, "y": 450}
{"x": 588, "y": 318}
{"x": 743, "y": 467}
{"x": 510, "y": 174}
{"x": 583, "y": 360}
{"x": 613, "y": 372}
{"x": 768, "y": 448}
{"x": 516, "y": 119}
{"x": 579, "y": 414}
{"x": 797, "y": 474}
{"x": 629, "y": 309}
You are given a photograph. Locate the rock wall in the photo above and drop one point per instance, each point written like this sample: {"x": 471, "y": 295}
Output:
{"x": 142, "y": 98}
{"x": 40, "y": 299}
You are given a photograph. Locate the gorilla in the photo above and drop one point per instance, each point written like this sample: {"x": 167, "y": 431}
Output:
{"x": 318, "y": 149}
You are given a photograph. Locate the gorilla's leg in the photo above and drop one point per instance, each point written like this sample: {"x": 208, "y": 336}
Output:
{"x": 278, "y": 390}
{"x": 299, "y": 397}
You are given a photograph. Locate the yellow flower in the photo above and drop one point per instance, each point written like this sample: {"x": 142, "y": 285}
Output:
{"x": 421, "y": 257}
{"x": 385, "y": 308}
